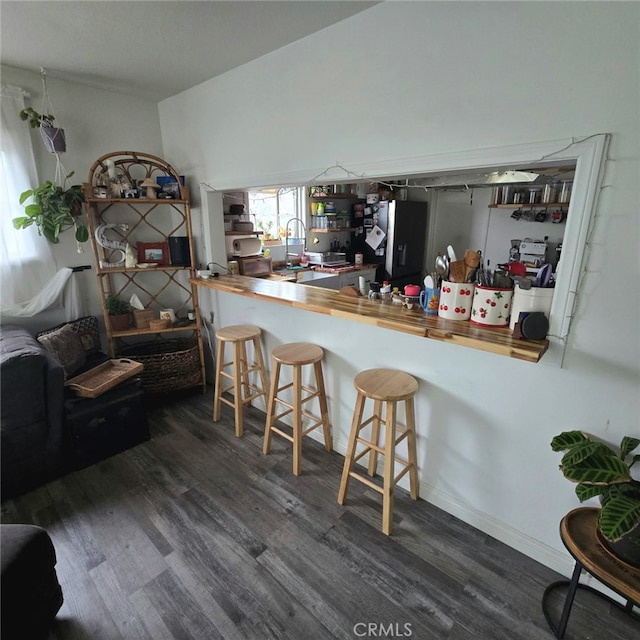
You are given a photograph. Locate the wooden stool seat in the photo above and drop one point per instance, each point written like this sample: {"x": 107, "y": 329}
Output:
{"x": 297, "y": 355}
{"x": 243, "y": 390}
{"x": 386, "y": 387}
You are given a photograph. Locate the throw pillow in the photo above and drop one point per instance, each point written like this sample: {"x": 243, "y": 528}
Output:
{"x": 66, "y": 346}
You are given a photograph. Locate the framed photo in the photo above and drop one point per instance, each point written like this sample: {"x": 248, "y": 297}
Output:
{"x": 153, "y": 252}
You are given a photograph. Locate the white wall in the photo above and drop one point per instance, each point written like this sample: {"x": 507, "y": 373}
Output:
{"x": 95, "y": 122}
{"x": 427, "y": 79}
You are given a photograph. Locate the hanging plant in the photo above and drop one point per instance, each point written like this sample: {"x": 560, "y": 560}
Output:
{"x": 52, "y": 136}
{"x": 54, "y": 209}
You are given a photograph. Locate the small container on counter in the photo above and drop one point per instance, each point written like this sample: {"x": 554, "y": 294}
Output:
{"x": 234, "y": 267}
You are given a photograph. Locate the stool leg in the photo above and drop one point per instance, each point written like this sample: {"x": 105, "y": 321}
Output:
{"x": 237, "y": 386}
{"x": 375, "y": 436}
{"x": 271, "y": 407}
{"x": 348, "y": 458}
{"x": 411, "y": 447}
{"x": 218, "y": 381}
{"x": 389, "y": 467}
{"x": 261, "y": 370}
{"x": 244, "y": 376}
{"x": 297, "y": 420}
{"x": 324, "y": 412}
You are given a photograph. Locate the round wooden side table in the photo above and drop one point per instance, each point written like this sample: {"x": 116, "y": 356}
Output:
{"x": 578, "y": 534}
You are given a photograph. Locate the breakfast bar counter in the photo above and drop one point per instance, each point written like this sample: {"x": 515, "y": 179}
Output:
{"x": 386, "y": 315}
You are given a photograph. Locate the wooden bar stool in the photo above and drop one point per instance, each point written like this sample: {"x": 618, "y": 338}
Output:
{"x": 297, "y": 354}
{"x": 389, "y": 387}
{"x": 243, "y": 390}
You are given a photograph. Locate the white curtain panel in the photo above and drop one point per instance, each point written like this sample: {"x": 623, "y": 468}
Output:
{"x": 26, "y": 259}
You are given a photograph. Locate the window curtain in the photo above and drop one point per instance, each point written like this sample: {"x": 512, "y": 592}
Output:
{"x": 26, "y": 259}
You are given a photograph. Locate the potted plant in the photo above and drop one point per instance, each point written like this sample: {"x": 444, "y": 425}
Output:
{"x": 52, "y": 136}
{"x": 118, "y": 311}
{"x": 599, "y": 471}
{"x": 53, "y": 210}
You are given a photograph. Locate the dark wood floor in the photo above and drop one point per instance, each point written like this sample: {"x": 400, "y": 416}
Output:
{"x": 197, "y": 535}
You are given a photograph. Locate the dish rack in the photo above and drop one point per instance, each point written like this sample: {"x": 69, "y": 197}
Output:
{"x": 327, "y": 258}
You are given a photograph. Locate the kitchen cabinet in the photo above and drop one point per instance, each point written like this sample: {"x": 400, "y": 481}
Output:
{"x": 143, "y": 245}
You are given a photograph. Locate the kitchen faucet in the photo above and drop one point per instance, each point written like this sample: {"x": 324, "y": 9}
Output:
{"x": 287, "y": 255}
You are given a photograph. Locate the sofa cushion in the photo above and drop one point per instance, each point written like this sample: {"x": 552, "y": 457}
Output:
{"x": 66, "y": 346}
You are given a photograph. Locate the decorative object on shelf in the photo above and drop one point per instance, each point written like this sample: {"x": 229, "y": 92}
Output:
{"x": 153, "y": 252}
{"x": 168, "y": 314}
{"x": 151, "y": 186}
{"x": 599, "y": 471}
{"x": 118, "y": 257}
{"x": 118, "y": 311}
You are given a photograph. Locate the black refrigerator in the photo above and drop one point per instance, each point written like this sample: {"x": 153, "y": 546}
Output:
{"x": 392, "y": 235}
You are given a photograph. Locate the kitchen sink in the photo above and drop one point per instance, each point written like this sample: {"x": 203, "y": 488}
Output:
{"x": 309, "y": 276}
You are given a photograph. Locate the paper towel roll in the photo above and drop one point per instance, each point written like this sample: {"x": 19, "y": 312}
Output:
{"x": 243, "y": 247}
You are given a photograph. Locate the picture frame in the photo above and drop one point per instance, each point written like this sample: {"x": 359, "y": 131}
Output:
{"x": 153, "y": 252}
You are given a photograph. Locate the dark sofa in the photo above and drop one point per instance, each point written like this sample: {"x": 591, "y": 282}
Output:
{"x": 31, "y": 406}
{"x": 48, "y": 431}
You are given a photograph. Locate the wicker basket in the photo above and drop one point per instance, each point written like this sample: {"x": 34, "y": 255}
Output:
{"x": 168, "y": 365}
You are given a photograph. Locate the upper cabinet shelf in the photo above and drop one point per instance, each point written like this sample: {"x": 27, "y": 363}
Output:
{"x": 530, "y": 205}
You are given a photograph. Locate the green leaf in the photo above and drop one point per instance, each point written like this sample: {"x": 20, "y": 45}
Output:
{"x": 25, "y": 194}
{"x": 587, "y": 491}
{"x": 33, "y": 210}
{"x": 598, "y": 469}
{"x": 22, "y": 223}
{"x": 581, "y": 451}
{"x": 82, "y": 234}
{"x": 618, "y": 517}
{"x": 50, "y": 235}
{"x": 568, "y": 439}
{"x": 627, "y": 446}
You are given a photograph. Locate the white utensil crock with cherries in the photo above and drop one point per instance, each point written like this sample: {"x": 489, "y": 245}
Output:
{"x": 491, "y": 307}
{"x": 456, "y": 299}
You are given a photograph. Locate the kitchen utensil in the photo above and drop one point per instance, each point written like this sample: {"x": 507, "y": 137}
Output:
{"x": 457, "y": 271}
{"x": 429, "y": 282}
{"x": 471, "y": 261}
{"x": 514, "y": 269}
{"x": 451, "y": 253}
{"x": 442, "y": 266}
{"x": 544, "y": 276}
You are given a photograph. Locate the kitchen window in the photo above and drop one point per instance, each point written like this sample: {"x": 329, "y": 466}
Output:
{"x": 273, "y": 208}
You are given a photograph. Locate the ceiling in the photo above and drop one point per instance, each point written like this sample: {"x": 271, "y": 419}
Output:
{"x": 155, "y": 49}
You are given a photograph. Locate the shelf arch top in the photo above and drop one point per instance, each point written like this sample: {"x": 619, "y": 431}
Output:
{"x": 133, "y": 166}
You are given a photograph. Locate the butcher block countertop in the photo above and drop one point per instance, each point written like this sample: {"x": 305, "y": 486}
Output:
{"x": 386, "y": 315}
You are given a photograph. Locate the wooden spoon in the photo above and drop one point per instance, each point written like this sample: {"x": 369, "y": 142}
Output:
{"x": 457, "y": 271}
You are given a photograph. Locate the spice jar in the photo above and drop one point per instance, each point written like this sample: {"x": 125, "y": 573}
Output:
{"x": 549, "y": 193}
{"x": 534, "y": 195}
{"x": 565, "y": 192}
